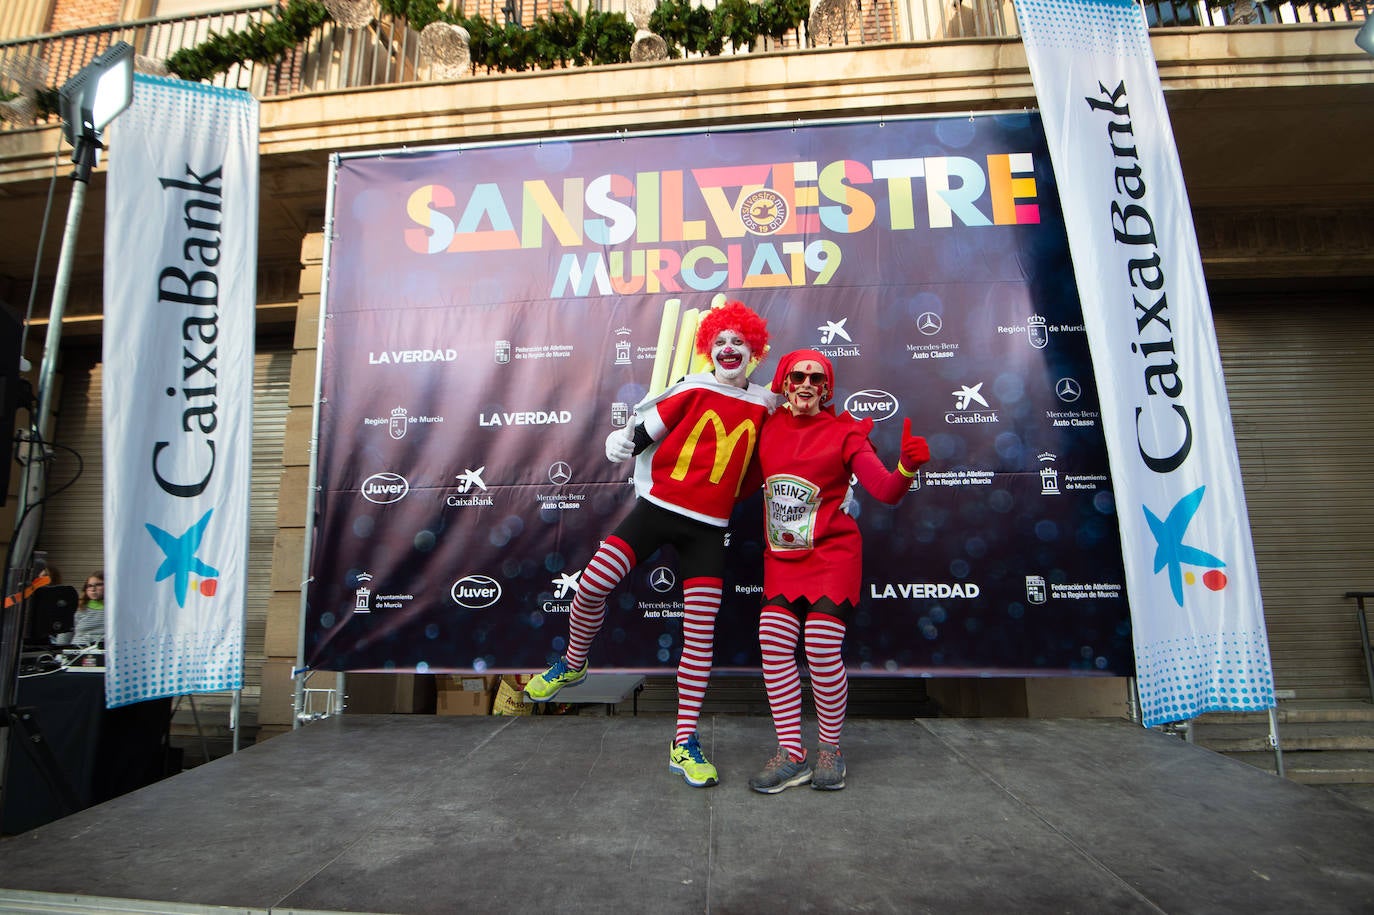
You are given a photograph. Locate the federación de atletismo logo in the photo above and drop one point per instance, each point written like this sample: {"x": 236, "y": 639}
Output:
{"x": 1173, "y": 554}
{"x": 180, "y": 561}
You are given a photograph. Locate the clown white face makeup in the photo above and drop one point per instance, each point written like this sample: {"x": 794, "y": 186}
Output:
{"x": 805, "y": 388}
{"x": 730, "y": 356}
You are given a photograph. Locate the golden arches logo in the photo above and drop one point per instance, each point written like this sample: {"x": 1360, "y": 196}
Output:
{"x": 725, "y": 446}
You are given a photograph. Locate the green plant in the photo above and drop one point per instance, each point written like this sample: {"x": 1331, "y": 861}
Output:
{"x": 607, "y": 38}
{"x": 682, "y": 26}
{"x": 563, "y": 38}
{"x": 262, "y": 42}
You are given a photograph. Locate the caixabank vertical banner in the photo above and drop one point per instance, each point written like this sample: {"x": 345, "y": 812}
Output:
{"x": 180, "y": 273}
{"x": 1200, "y": 642}
{"x": 493, "y": 312}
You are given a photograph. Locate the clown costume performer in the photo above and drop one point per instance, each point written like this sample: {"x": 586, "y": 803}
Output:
{"x": 692, "y": 445}
{"x": 813, "y": 558}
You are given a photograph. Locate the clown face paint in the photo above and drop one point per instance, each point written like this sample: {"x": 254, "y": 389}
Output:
{"x": 730, "y": 356}
{"x": 804, "y": 393}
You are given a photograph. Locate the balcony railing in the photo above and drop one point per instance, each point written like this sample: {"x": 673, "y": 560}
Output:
{"x": 388, "y": 52}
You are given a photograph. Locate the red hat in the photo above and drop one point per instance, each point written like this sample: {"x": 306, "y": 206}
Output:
{"x": 786, "y": 363}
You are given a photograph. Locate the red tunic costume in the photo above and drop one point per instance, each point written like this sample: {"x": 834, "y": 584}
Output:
{"x": 813, "y": 559}
{"x": 696, "y": 441}
{"x": 705, "y": 434}
{"x": 814, "y": 550}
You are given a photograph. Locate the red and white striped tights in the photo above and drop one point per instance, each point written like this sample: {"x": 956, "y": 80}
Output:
{"x": 824, "y": 639}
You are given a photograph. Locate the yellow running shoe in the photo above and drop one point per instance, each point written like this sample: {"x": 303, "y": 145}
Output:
{"x": 543, "y": 687}
{"x": 687, "y": 760}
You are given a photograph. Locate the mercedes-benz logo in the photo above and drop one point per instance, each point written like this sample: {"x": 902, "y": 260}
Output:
{"x": 1068, "y": 390}
{"x": 560, "y": 474}
{"x": 661, "y": 579}
{"x": 929, "y": 323}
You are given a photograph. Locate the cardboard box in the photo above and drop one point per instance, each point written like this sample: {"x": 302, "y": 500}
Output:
{"x": 464, "y": 695}
{"x": 463, "y": 702}
{"x": 387, "y": 694}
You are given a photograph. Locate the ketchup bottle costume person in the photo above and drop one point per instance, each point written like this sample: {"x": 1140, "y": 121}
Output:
{"x": 813, "y": 557}
{"x": 693, "y": 443}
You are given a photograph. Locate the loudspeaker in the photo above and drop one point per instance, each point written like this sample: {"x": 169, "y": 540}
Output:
{"x": 10, "y": 384}
{"x": 52, "y": 610}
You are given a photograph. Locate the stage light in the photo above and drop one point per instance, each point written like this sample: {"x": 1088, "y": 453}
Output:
{"x": 1365, "y": 37}
{"x": 92, "y": 98}
{"x": 88, "y": 102}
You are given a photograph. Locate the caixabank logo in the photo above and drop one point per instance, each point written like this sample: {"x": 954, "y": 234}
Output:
{"x": 180, "y": 562}
{"x": 1172, "y": 554}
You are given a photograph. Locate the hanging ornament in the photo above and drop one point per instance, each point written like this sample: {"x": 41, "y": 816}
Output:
{"x": 648, "y": 46}
{"x": 150, "y": 65}
{"x": 830, "y": 20}
{"x": 351, "y": 14}
{"x": 445, "y": 48}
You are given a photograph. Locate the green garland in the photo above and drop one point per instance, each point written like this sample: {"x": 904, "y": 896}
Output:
{"x": 566, "y": 38}
{"x": 561, "y": 39}
{"x": 262, "y": 42}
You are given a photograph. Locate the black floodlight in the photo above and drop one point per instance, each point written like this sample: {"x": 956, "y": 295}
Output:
{"x": 1365, "y": 37}
{"x": 92, "y": 98}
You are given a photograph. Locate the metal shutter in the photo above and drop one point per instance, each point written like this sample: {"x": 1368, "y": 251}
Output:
{"x": 1300, "y": 376}
{"x": 72, "y": 531}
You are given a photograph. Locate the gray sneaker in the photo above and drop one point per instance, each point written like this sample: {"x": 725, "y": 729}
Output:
{"x": 829, "y": 769}
{"x": 780, "y": 773}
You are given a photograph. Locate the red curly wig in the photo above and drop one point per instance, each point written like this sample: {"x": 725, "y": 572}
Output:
{"x": 733, "y": 316}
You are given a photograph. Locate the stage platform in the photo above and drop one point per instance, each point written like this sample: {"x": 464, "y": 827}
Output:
{"x": 579, "y": 814}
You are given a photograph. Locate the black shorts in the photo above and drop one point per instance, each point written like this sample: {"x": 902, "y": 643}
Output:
{"x": 700, "y": 546}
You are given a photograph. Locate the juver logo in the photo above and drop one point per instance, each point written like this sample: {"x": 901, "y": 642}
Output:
{"x": 1172, "y": 553}
{"x": 873, "y": 403}
{"x": 384, "y": 488}
{"x": 181, "y": 561}
{"x": 476, "y": 592}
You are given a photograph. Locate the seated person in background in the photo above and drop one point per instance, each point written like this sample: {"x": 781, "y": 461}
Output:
{"x": 89, "y": 626}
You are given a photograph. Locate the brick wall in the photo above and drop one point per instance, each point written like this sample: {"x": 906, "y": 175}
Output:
{"x": 77, "y": 14}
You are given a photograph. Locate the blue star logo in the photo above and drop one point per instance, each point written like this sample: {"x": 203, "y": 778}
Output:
{"x": 1170, "y": 550}
{"x": 181, "y": 561}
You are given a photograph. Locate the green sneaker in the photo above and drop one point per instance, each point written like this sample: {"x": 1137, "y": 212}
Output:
{"x": 543, "y": 687}
{"x": 687, "y": 760}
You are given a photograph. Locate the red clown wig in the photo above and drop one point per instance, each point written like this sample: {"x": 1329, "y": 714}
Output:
{"x": 733, "y": 316}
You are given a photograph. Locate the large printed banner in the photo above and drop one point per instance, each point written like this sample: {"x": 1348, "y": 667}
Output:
{"x": 1200, "y": 642}
{"x": 180, "y": 261}
{"x": 492, "y": 313}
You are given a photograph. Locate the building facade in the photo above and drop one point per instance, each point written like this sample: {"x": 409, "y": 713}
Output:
{"x": 1272, "y": 122}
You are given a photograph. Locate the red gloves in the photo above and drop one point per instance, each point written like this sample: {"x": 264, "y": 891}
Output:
{"x": 915, "y": 451}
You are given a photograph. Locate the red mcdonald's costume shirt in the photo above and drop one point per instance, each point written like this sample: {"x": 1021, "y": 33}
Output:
{"x": 812, "y": 549}
{"x": 705, "y": 434}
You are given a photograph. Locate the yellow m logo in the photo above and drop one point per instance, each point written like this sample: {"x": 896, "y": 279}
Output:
{"x": 725, "y": 446}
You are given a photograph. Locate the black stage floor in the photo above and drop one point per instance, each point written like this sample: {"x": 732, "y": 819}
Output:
{"x": 422, "y": 814}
